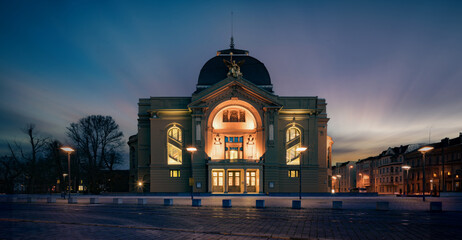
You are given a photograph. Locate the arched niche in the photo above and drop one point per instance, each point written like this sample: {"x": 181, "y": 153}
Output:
{"x": 234, "y": 131}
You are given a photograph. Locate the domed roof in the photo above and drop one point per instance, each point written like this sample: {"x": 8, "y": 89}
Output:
{"x": 216, "y": 70}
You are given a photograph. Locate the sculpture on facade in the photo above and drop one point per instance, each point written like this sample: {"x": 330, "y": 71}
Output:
{"x": 251, "y": 147}
{"x": 234, "y": 68}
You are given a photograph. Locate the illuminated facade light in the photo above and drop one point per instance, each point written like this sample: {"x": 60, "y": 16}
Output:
{"x": 301, "y": 149}
{"x": 191, "y": 149}
{"x": 67, "y": 149}
{"x": 425, "y": 149}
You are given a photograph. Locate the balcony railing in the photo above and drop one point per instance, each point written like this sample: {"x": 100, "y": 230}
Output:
{"x": 235, "y": 161}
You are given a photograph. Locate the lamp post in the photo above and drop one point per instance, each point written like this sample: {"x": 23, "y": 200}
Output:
{"x": 191, "y": 179}
{"x": 69, "y": 151}
{"x": 140, "y": 186}
{"x": 300, "y": 150}
{"x": 333, "y": 187}
{"x": 424, "y": 150}
{"x": 349, "y": 178}
{"x": 338, "y": 177}
{"x": 362, "y": 182}
{"x": 406, "y": 167}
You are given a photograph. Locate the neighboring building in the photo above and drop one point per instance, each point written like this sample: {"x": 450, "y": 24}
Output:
{"x": 385, "y": 174}
{"x": 246, "y": 136}
{"x": 365, "y": 174}
{"x": 446, "y": 157}
{"x": 389, "y": 173}
{"x": 343, "y": 175}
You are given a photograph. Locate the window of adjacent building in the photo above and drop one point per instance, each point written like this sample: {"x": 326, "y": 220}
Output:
{"x": 175, "y": 173}
{"x": 293, "y": 141}
{"x": 174, "y": 146}
{"x": 293, "y": 173}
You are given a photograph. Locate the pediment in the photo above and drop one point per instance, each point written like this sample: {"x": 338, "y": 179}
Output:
{"x": 234, "y": 88}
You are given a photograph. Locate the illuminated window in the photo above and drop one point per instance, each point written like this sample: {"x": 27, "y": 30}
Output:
{"x": 233, "y": 115}
{"x": 251, "y": 178}
{"x": 293, "y": 141}
{"x": 293, "y": 173}
{"x": 174, "y": 173}
{"x": 220, "y": 178}
{"x": 217, "y": 178}
{"x": 174, "y": 146}
{"x": 234, "y": 147}
{"x": 236, "y": 179}
{"x": 230, "y": 178}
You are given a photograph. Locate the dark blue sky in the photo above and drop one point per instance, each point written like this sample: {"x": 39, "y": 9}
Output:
{"x": 389, "y": 70}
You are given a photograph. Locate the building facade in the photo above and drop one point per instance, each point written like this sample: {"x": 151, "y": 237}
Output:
{"x": 400, "y": 170}
{"x": 443, "y": 168}
{"x": 365, "y": 174}
{"x": 343, "y": 177}
{"x": 233, "y": 135}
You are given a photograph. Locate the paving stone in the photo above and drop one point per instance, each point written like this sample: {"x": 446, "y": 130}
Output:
{"x": 129, "y": 221}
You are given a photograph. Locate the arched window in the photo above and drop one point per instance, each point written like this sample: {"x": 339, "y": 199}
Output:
{"x": 293, "y": 141}
{"x": 174, "y": 146}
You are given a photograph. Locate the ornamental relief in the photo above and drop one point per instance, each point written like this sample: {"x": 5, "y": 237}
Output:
{"x": 235, "y": 92}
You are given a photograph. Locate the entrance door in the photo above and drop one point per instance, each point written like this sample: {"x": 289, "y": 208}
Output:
{"x": 217, "y": 181}
{"x": 234, "y": 181}
{"x": 251, "y": 180}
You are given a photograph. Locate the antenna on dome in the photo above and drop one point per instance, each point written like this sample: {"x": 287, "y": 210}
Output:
{"x": 231, "y": 45}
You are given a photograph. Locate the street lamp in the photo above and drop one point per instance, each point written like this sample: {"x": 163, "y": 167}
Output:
{"x": 424, "y": 150}
{"x": 69, "y": 151}
{"x": 334, "y": 178}
{"x": 191, "y": 179}
{"x": 300, "y": 150}
{"x": 349, "y": 178}
{"x": 406, "y": 167}
{"x": 338, "y": 177}
{"x": 140, "y": 186}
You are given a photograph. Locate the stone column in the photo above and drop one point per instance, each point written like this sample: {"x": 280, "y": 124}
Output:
{"x": 209, "y": 177}
{"x": 226, "y": 180}
{"x": 245, "y": 180}
{"x": 260, "y": 183}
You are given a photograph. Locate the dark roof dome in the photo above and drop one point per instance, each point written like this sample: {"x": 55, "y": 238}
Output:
{"x": 216, "y": 70}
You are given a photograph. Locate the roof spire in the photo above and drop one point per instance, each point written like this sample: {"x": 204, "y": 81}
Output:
{"x": 231, "y": 45}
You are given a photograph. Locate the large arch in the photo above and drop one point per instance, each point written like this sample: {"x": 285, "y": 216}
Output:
{"x": 234, "y": 131}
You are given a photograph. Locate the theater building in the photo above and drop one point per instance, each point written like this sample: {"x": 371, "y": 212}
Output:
{"x": 246, "y": 136}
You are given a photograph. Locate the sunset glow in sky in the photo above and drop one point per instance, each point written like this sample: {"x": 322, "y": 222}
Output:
{"x": 390, "y": 71}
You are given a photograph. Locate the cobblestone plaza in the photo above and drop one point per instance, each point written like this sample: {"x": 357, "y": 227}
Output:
{"x": 153, "y": 221}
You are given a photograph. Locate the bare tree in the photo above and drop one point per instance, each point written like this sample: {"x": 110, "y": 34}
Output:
{"x": 29, "y": 160}
{"x": 10, "y": 171}
{"x": 37, "y": 145}
{"x": 98, "y": 140}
